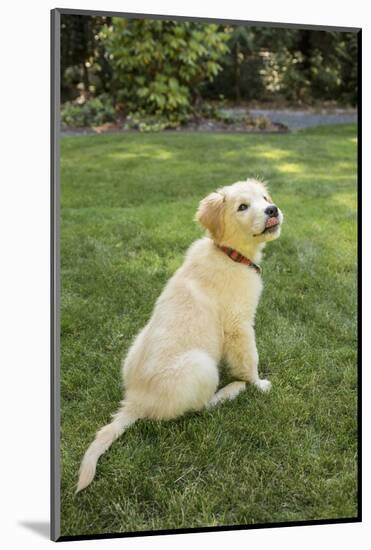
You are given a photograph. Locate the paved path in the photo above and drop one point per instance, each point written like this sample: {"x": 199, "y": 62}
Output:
{"x": 295, "y": 120}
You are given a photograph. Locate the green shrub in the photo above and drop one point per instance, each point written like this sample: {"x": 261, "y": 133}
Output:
{"x": 282, "y": 73}
{"x": 143, "y": 122}
{"x": 159, "y": 66}
{"x": 92, "y": 112}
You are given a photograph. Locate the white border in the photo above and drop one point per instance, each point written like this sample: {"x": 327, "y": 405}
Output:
{"x": 24, "y": 230}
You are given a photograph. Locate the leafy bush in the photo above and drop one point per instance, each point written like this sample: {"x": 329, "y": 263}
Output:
{"x": 93, "y": 112}
{"x": 333, "y": 66}
{"x": 149, "y": 123}
{"x": 281, "y": 73}
{"x": 159, "y": 66}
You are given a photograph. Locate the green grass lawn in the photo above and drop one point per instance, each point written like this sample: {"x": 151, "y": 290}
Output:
{"x": 127, "y": 207}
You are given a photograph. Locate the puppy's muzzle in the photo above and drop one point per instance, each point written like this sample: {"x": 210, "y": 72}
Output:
{"x": 272, "y": 223}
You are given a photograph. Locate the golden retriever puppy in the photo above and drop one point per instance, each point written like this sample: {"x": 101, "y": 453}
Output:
{"x": 205, "y": 312}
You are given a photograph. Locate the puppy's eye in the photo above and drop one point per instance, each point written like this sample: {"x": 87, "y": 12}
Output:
{"x": 265, "y": 198}
{"x": 243, "y": 206}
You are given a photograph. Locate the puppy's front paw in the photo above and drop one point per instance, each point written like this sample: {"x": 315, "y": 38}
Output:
{"x": 263, "y": 385}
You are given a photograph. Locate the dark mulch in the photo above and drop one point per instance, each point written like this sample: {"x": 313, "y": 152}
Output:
{"x": 201, "y": 125}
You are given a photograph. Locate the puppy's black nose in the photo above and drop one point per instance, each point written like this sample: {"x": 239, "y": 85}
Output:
{"x": 271, "y": 211}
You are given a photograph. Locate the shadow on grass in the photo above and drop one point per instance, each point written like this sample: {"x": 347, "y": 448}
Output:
{"x": 118, "y": 173}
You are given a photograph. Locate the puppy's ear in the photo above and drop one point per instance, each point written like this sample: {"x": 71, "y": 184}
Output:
{"x": 210, "y": 214}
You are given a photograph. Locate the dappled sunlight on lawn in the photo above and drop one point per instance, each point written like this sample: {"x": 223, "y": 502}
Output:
{"x": 343, "y": 165}
{"x": 271, "y": 153}
{"x": 316, "y": 177}
{"x": 125, "y": 170}
{"x": 290, "y": 168}
{"x": 346, "y": 199}
{"x": 149, "y": 153}
{"x": 128, "y": 204}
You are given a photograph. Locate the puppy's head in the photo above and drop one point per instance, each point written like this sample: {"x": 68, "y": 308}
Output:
{"x": 240, "y": 214}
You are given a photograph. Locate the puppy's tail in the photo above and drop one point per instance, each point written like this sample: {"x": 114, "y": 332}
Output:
{"x": 103, "y": 440}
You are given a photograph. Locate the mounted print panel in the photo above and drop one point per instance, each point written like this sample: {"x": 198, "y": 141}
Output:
{"x": 204, "y": 278}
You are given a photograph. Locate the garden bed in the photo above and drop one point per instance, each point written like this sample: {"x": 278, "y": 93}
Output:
{"x": 262, "y": 125}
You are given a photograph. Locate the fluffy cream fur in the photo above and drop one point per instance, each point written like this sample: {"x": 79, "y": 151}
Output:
{"x": 205, "y": 312}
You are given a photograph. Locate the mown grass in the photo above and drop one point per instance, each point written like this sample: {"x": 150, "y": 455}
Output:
{"x": 127, "y": 208}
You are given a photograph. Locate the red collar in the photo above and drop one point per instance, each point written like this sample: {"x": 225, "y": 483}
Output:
{"x": 239, "y": 258}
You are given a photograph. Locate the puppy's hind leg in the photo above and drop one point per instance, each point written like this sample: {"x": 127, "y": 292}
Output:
{"x": 189, "y": 384}
{"x": 229, "y": 392}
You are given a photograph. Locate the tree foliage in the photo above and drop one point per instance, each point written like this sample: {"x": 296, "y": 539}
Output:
{"x": 84, "y": 67}
{"x": 293, "y": 64}
{"x": 160, "y": 66}
{"x": 159, "y": 72}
